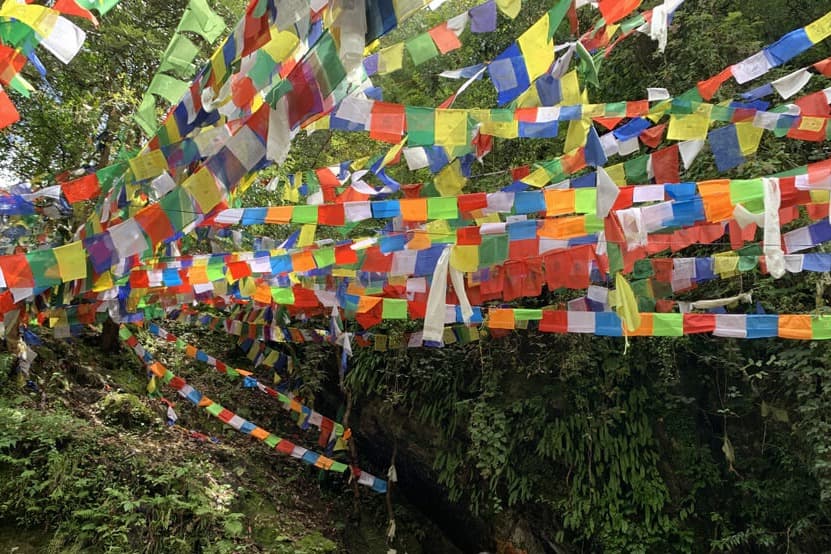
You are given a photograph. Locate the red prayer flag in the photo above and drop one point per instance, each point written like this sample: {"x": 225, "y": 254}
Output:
{"x": 387, "y": 122}
{"x": 8, "y": 113}
{"x": 85, "y": 188}
{"x": 652, "y": 136}
{"x": 665, "y": 165}
{"x": 615, "y": 10}
{"x": 445, "y": 39}
{"x": 824, "y": 67}
{"x": 70, "y": 7}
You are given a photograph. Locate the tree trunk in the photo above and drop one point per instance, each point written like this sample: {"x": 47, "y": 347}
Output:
{"x": 109, "y": 336}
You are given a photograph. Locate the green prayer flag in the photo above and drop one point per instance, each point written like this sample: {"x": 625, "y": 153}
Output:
{"x": 327, "y": 66}
{"x": 632, "y": 23}
{"x": 442, "y": 208}
{"x": 668, "y": 325}
{"x": 304, "y": 214}
{"x": 282, "y": 295}
{"x": 169, "y": 88}
{"x": 493, "y": 250}
{"x": 421, "y": 48}
{"x": 585, "y": 200}
{"x": 394, "y": 308}
{"x": 179, "y": 56}
{"x": 338, "y": 467}
{"x": 642, "y": 270}
{"x": 200, "y": 19}
{"x": 556, "y": 15}
{"x": 278, "y": 91}
{"x": 421, "y": 126}
{"x": 588, "y": 67}
{"x": 145, "y": 115}
{"x": 178, "y": 207}
{"x": 821, "y": 327}
{"x": 102, "y": 6}
{"x": 522, "y": 314}
{"x": 324, "y": 257}
{"x": 593, "y": 223}
{"x": 260, "y": 72}
{"x": 214, "y": 409}
{"x": 272, "y": 440}
{"x": 635, "y": 170}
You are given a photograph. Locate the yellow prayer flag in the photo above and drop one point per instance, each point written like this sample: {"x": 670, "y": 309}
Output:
{"x": 591, "y": 111}
{"x": 104, "y": 282}
{"x": 820, "y": 29}
{"x": 537, "y": 49}
{"x": 726, "y": 264}
{"x": 281, "y": 45}
{"x": 578, "y": 129}
{"x": 72, "y": 263}
{"x": 501, "y": 129}
{"x": 627, "y": 304}
{"x": 509, "y": 7}
{"x": 450, "y": 181}
{"x": 819, "y": 196}
{"x": 482, "y": 219}
{"x": 529, "y": 99}
{"x": 690, "y": 127}
{"x": 537, "y": 178}
{"x": 450, "y": 127}
{"x": 617, "y": 173}
{"x": 148, "y": 165}
{"x": 438, "y": 230}
{"x": 391, "y": 59}
{"x": 749, "y": 137}
{"x": 465, "y": 258}
{"x": 39, "y": 18}
{"x": 570, "y": 89}
{"x": 247, "y": 287}
{"x": 811, "y": 123}
{"x": 218, "y": 67}
{"x": 307, "y": 235}
{"x": 203, "y": 188}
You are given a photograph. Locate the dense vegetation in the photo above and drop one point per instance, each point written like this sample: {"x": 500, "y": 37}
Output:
{"x": 518, "y": 441}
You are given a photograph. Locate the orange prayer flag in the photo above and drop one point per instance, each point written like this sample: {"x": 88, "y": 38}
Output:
{"x": 420, "y": 240}
{"x": 279, "y": 214}
{"x": 707, "y": 89}
{"x": 563, "y": 227}
{"x": 716, "y": 197}
{"x": 795, "y": 327}
{"x": 259, "y": 433}
{"x": 413, "y": 209}
{"x": 303, "y": 261}
{"x": 645, "y": 328}
{"x": 559, "y": 202}
{"x": 501, "y": 319}
{"x": 366, "y": 303}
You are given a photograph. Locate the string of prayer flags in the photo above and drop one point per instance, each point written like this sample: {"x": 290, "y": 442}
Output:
{"x": 780, "y": 52}
{"x": 178, "y": 59}
{"x": 330, "y": 430}
{"x": 240, "y": 424}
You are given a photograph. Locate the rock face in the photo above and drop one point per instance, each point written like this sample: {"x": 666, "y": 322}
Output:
{"x": 417, "y": 481}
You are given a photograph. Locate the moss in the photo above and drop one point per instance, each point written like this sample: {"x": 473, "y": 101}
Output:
{"x": 126, "y": 410}
{"x": 315, "y": 544}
